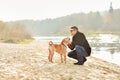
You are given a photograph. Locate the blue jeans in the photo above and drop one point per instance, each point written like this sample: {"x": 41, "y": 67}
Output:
{"x": 79, "y": 53}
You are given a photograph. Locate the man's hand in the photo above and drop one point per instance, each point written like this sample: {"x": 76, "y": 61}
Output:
{"x": 69, "y": 43}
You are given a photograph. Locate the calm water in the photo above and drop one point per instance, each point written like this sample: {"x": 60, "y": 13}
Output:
{"x": 104, "y": 46}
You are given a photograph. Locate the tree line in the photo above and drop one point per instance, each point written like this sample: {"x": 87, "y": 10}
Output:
{"x": 13, "y": 32}
{"x": 92, "y": 22}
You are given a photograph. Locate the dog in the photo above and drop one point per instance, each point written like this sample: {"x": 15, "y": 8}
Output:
{"x": 59, "y": 48}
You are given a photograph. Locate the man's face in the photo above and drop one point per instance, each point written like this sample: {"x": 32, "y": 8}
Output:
{"x": 73, "y": 32}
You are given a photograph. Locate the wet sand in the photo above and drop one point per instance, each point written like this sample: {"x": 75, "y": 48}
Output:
{"x": 29, "y": 62}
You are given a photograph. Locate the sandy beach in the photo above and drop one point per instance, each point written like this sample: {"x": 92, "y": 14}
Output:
{"x": 29, "y": 62}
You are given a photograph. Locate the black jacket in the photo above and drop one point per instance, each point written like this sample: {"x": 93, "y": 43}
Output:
{"x": 80, "y": 39}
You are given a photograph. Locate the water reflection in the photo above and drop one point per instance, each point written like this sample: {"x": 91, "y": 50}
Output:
{"x": 112, "y": 51}
{"x": 106, "y": 47}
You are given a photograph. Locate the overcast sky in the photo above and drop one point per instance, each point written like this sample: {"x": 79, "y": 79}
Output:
{"x": 42, "y": 9}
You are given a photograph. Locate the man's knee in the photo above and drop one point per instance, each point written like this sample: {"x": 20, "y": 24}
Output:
{"x": 69, "y": 54}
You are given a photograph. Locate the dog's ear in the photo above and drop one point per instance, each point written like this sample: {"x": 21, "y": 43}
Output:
{"x": 68, "y": 38}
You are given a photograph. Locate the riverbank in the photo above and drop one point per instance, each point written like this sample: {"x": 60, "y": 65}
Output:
{"x": 29, "y": 62}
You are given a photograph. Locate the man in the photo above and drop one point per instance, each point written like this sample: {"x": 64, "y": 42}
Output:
{"x": 79, "y": 46}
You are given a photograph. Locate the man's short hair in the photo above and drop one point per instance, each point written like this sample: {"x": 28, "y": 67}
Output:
{"x": 74, "y": 28}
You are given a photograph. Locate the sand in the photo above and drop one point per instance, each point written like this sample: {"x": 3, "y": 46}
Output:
{"x": 29, "y": 62}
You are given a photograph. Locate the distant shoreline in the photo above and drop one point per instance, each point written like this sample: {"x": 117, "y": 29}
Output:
{"x": 87, "y": 34}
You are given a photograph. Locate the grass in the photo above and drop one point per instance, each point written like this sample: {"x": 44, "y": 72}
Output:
{"x": 25, "y": 41}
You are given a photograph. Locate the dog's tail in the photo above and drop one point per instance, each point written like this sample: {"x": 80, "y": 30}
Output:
{"x": 50, "y": 43}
